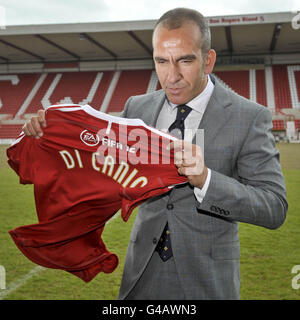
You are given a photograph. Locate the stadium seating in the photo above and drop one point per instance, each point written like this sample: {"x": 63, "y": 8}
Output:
{"x": 130, "y": 83}
{"x": 278, "y": 125}
{"x": 21, "y": 95}
{"x": 297, "y": 124}
{"x": 14, "y": 90}
{"x": 71, "y": 87}
{"x": 281, "y": 87}
{"x": 238, "y": 81}
{"x": 9, "y": 131}
{"x": 261, "y": 95}
{"x": 297, "y": 77}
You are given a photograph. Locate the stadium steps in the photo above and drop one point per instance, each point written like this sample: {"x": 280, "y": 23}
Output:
{"x": 14, "y": 90}
{"x": 238, "y": 81}
{"x": 294, "y": 84}
{"x": 93, "y": 90}
{"x": 72, "y": 87}
{"x": 270, "y": 96}
{"x": 45, "y": 101}
{"x": 110, "y": 91}
{"x": 31, "y": 95}
{"x": 130, "y": 83}
{"x": 36, "y": 102}
{"x": 252, "y": 85}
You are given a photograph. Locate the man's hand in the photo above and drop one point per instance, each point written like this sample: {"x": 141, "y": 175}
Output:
{"x": 189, "y": 160}
{"x": 33, "y": 127}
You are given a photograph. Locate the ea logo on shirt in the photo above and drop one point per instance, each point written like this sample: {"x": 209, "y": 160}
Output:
{"x": 89, "y": 138}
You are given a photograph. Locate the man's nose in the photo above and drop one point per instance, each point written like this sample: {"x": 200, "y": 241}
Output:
{"x": 173, "y": 74}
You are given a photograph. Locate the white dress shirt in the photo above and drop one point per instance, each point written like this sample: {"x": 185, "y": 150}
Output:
{"x": 168, "y": 114}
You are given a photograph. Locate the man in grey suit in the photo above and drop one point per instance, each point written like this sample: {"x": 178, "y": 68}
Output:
{"x": 185, "y": 244}
{"x": 238, "y": 179}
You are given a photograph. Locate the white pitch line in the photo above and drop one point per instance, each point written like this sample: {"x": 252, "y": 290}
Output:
{"x": 21, "y": 281}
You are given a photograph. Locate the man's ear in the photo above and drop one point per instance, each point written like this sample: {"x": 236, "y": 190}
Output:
{"x": 210, "y": 60}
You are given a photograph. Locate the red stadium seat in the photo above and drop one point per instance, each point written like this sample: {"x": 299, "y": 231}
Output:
{"x": 72, "y": 87}
{"x": 281, "y": 87}
{"x": 297, "y": 124}
{"x": 261, "y": 94}
{"x": 278, "y": 125}
{"x": 130, "y": 83}
{"x": 297, "y": 79}
{"x": 238, "y": 81}
{"x": 14, "y": 89}
{"x": 10, "y": 131}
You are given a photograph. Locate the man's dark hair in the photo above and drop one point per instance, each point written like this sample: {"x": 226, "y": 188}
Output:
{"x": 175, "y": 18}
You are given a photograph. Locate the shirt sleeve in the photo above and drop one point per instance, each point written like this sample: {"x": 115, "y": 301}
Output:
{"x": 21, "y": 158}
{"x": 200, "y": 193}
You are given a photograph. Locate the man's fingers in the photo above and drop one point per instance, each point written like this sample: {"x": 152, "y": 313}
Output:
{"x": 25, "y": 130}
{"x": 176, "y": 145}
{"x": 41, "y": 117}
{"x": 28, "y": 129}
{"x": 190, "y": 170}
{"x": 182, "y": 146}
{"x": 36, "y": 125}
{"x": 178, "y": 158}
{"x": 32, "y": 128}
{"x": 183, "y": 164}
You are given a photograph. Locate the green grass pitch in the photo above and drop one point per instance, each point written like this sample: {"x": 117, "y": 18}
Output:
{"x": 267, "y": 256}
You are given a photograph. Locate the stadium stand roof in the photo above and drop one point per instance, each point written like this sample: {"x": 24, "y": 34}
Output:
{"x": 264, "y": 38}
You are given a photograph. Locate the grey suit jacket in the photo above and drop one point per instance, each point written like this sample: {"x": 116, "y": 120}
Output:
{"x": 246, "y": 185}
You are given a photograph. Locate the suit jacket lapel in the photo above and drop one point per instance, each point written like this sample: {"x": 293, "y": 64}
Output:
{"x": 215, "y": 115}
{"x": 158, "y": 103}
{"x": 150, "y": 114}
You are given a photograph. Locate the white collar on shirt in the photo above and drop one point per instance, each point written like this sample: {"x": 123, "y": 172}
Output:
{"x": 200, "y": 102}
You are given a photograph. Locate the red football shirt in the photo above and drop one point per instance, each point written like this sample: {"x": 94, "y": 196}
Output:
{"x": 86, "y": 167}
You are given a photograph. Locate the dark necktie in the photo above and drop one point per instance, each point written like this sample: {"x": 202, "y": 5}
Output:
{"x": 164, "y": 247}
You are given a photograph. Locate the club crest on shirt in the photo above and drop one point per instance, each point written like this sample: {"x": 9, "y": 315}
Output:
{"x": 89, "y": 138}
